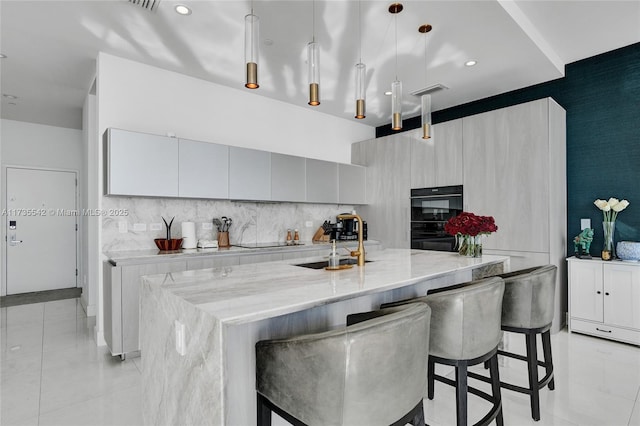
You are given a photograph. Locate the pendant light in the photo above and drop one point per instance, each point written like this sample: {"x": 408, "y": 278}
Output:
{"x": 361, "y": 75}
{"x": 396, "y": 86}
{"x": 425, "y": 99}
{"x": 313, "y": 61}
{"x": 251, "y": 42}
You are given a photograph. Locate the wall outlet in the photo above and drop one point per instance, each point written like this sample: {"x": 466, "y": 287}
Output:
{"x": 207, "y": 225}
{"x": 308, "y": 224}
{"x": 139, "y": 227}
{"x": 155, "y": 226}
{"x": 122, "y": 227}
{"x": 585, "y": 223}
{"x": 181, "y": 346}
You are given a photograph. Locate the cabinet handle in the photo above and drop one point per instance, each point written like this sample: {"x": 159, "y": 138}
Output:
{"x": 599, "y": 292}
{"x": 605, "y": 331}
{"x": 606, "y": 294}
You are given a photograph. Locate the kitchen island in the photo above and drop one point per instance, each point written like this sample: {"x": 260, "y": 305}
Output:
{"x": 199, "y": 328}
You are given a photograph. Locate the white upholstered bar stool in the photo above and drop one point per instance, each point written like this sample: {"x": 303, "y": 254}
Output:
{"x": 371, "y": 372}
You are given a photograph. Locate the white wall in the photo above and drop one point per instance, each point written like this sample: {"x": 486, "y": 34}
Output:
{"x": 37, "y": 145}
{"x": 142, "y": 98}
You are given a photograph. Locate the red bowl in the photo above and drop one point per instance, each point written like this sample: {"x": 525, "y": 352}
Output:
{"x": 167, "y": 245}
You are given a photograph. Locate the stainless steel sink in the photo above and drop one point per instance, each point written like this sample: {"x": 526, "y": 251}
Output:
{"x": 325, "y": 263}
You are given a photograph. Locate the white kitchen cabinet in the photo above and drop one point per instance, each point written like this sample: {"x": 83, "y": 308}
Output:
{"x": 203, "y": 169}
{"x": 140, "y": 164}
{"x": 249, "y": 174}
{"x": 288, "y": 178}
{"x": 352, "y": 184}
{"x": 604, "y": 299}
{"x": 321, "y": 181}
{"x": 437, "y": 161}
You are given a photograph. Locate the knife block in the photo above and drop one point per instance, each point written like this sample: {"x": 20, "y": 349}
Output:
{"x": 223, "y": 239}
{"x": 319, "y": 236}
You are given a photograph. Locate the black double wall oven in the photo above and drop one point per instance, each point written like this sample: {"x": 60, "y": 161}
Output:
{"x": 430, "y": 210}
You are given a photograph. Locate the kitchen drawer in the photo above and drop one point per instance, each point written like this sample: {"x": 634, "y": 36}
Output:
{"x": 605, "y": 331}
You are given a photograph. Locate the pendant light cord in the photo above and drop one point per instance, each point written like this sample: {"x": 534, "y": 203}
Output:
{"x": 360, "y": 29}
{"x": 313, "y": 23}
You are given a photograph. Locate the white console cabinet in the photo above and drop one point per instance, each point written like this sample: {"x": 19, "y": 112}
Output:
{"x": 604, "y": 299}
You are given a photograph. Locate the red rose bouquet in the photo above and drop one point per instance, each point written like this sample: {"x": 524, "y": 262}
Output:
{"x": 470, "y": 224}
{"x": 468, "y": 230}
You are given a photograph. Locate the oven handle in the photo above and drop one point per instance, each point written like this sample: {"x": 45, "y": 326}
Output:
{"x": 417, "y": 197}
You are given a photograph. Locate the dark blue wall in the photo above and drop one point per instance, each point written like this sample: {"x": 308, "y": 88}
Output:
{"x": 602, "y": 98}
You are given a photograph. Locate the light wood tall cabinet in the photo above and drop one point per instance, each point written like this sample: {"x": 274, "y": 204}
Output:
{"x": 604, "y": 299}
{"x": 515, "y": 170}
{"x": 437, "y": 161}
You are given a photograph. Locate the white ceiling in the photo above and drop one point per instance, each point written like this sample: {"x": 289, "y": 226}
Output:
{"x": 51, "y": 47}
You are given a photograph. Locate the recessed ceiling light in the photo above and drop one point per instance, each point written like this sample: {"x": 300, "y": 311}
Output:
{"x": 470, "y": 63}
{"x": 183, "y": 10}
{"x": 387, "y": 93}
{"x": 2, "y": 56}
{"x": 4, "y": 95}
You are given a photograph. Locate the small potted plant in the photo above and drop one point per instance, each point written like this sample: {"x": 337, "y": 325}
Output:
{"x": 168, "y": 244}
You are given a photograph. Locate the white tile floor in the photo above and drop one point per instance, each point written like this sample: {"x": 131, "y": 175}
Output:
{"x": 53, "y": 374}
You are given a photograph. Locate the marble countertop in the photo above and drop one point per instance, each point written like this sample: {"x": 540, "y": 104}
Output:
{"x": 142, "y": 256}
{"x": 246, "y": 293}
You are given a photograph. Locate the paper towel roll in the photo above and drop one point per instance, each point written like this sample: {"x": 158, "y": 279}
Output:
{"x": 189, "y": 240}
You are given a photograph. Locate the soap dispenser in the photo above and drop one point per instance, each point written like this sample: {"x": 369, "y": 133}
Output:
{"x": 334, "y": 257}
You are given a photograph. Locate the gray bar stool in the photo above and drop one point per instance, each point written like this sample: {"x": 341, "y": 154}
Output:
{"x": 465, "y": 331}
{"x": 527, "y": 308}
{"x": 373, "y": 372}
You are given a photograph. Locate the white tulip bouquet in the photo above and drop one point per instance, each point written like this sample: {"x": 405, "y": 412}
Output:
{"x": 611, "y": 208}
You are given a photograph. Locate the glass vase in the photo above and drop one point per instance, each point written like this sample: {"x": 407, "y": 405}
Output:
{"x": 608, "y": 248}
{"x": 470, "y": 246}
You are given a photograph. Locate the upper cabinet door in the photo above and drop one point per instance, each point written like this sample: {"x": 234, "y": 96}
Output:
{"x": 204, "y": 169}
{"x": 140, "y": 164}
{"x": 249, "y": 174}
{"x": 288, "y": 178}
{"x": 352, "y": 184}
{"x": 322, "y": 181}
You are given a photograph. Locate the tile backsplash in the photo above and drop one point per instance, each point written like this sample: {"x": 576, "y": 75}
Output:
{"x": 252, "y": 221}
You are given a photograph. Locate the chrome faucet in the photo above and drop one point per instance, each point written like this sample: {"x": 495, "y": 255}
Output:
{"x": 359, "y": 253}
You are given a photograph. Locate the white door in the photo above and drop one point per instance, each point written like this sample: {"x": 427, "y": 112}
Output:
{"x": 41, "y": 230}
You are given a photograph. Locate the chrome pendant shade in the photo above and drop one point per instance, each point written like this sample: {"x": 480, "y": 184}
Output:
{"x": 251, "y": 52}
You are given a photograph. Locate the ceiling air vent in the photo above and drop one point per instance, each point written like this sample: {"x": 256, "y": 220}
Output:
{"x": 429, "y": 90}
{"x": 150, "y": 5}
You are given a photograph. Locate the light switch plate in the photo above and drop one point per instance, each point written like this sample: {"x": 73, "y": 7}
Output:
{"x": 207, "y": 225}
{"x": 308, "y": 224}
{"x": 139, "y": 227}
{"x": 585, "y": 223}
{"x": 122, "y": 227}
{"x": 155, "y": 226}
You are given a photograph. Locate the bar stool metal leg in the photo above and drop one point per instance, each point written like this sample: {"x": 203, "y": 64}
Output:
{"x": 430, "y": 377}
{"x": 495, "y": 386}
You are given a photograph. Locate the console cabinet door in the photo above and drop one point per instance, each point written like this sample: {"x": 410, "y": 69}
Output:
{"x": 249, "y": 174}
{"x": 140, "y": 164}
{"x": 506, "y": 174}
{"x": 586, "y": 292}
{"x": 322, "y": 181}
{"x": 622, "y": 295}
{"x": 288, "y": 178}
{"x": 203, "y": 169}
